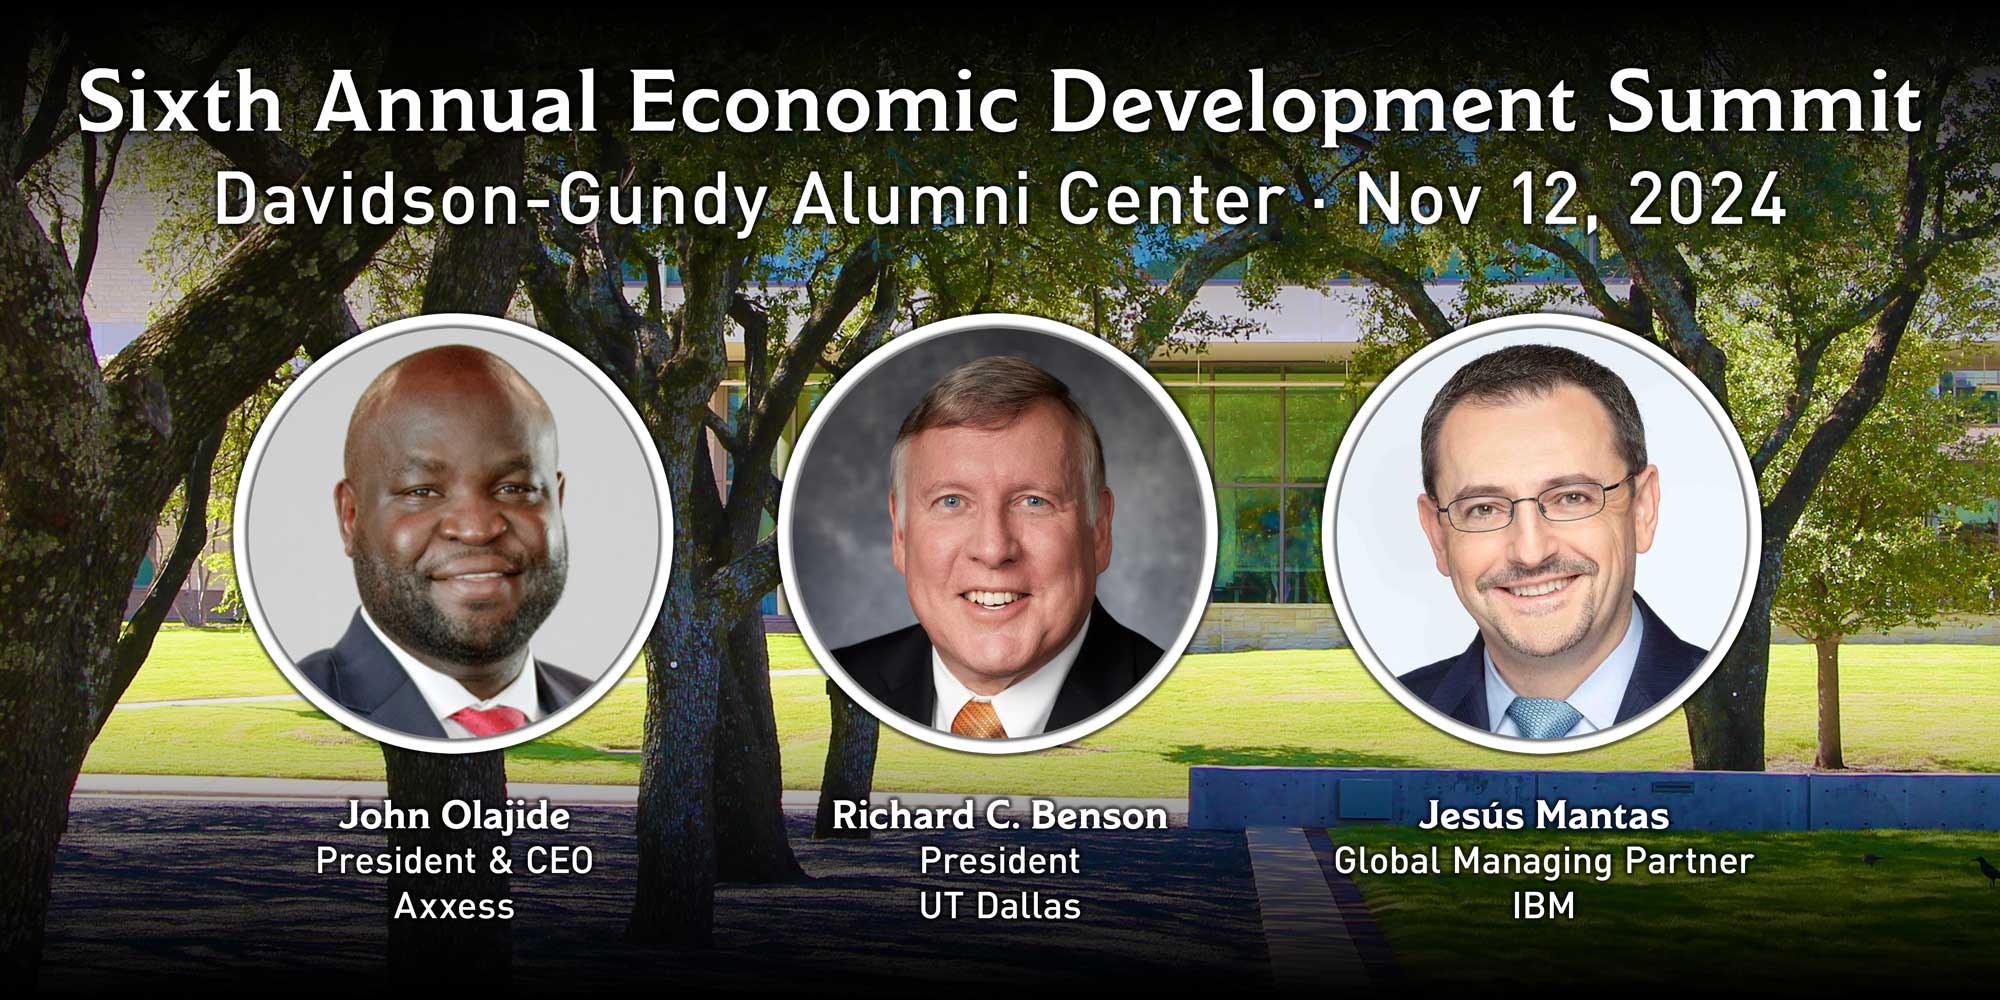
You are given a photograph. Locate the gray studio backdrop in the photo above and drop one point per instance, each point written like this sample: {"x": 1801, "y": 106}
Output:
{"x": 840, "y": 543}
{"x": 290, "y": 540}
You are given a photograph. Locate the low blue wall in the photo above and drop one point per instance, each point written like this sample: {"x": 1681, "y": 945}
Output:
{"x": 1232, "y": 798}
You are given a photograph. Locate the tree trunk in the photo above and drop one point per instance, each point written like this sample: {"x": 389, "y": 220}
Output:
{"x": 1829, "y": 757}
{"x": 850, "y": 761}
{"x": 474, "y": 269}
{"x": 47, "y": 730}
{"x": 750, "y": 838}
{"x": 66, "y": 563}
{"x": 1725, "y": 718}
{"x": 454, "y": 953}
{"x": 675, "y": 897}
{"x": 89, "y": 456}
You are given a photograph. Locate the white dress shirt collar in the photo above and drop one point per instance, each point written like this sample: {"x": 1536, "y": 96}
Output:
{"x": 1597, "y": 698}
{"x": 1023, "y": 708}
{"x": 447, "y": 697}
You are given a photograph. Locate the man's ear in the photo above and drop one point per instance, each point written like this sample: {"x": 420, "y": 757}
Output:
{"x": 1102, "y": 530}
{"x": 1434, "y": 529}
{"x": 345, "y": 510}
{"x": 895, "y": 533}
{"x": 560, "y": 483}
{"x": 1645, "y": 506}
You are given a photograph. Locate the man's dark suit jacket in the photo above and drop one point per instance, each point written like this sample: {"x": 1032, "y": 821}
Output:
{"x": 1457, "y": 686}
{"x": 896, "y": 669}
{"x": 364, "y": 677}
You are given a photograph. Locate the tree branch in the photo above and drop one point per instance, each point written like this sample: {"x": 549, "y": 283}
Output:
{"x": 1854, "y": 405}
{"x": 275, "y": 291}
{"x": 1171, "y": 300}
{"x": 40, "y": 138}
{"x": 189, "y": 540}
{"x": 94, "y": 190}
{"x": 765, "y": 426}
{"x": 1594, "y": 288}
{"x": 744, "y": 580}
{"x": 718, "y": 426}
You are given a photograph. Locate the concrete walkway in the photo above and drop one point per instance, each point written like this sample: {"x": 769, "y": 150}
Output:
{"x": 1311, "y": 951}
{"x": 319, "y": 790}
{"x": 1306, "y": 932}
{"x": 231, "y": 894}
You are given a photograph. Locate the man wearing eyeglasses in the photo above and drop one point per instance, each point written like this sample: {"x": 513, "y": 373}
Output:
{"x": 1537, "y": 502}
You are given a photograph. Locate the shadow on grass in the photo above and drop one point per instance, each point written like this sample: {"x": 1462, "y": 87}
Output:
{"x": 534, "y": 750}
{"x": 1284, "y": 756}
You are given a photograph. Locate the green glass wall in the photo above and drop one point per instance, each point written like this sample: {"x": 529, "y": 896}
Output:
{"x": 1269, "y": 433}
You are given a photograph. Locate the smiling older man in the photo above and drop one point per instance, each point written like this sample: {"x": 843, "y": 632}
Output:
{"x": 1000, "y": 523}
{"x": 1538, "y": 501}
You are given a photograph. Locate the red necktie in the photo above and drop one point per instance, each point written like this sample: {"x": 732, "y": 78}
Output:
{"x": 487, "y": 721}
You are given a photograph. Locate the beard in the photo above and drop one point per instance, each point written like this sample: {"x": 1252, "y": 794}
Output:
{"x": 1539, "y": 647}
{"x": 399, "y": 600}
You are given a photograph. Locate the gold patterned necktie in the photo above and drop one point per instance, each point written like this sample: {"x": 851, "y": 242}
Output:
{"x": 979, "y": 721}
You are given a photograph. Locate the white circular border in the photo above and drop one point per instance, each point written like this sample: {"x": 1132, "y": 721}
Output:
{"x": 1752, "y": 512}
{"x": 436, "y": 322}
{"x": 788, "y": 500}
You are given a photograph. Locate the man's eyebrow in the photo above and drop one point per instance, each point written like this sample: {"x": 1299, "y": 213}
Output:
{"x": 1478, "y": 490}
{"x": 1491, "y": 490}
{"x": 521, "y": 461}
{"x": 1054, "y": 487}
{"x": 1570, "y": 480}
{"x": 420, "y": 463}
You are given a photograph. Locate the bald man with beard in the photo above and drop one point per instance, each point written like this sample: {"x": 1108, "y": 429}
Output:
{"x": 451, "y": 509}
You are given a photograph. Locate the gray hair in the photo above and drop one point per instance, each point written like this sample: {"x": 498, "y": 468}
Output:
{"x": 1535, "y": 370}
{"x": 991, "y": 393}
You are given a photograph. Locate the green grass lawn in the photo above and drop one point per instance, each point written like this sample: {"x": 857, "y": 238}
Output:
{"x": 1807, "y": 914}
{"x": 1905, "y": 707}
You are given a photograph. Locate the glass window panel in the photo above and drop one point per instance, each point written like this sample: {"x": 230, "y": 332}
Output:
{"x": 1305, "y": 581}
{"x": 729, "y": 408}
{"x": 1246, "y": 564}
{"x": 1247, "y": 435}
{"x": 732, "y": 406}
{"x": 1194, "y": 406}
{"x": 1978, "y": 389}
{"x": 809, "y": 398}
{"x": 1314, "y": 421}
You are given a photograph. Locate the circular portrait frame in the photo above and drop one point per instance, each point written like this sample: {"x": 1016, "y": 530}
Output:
{"x": 1341, "y": 578}
{"x": 791, "y": 499}
{"x": 482, "y": 332}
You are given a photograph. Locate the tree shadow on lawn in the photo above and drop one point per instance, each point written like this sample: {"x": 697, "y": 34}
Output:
{"x": 544, "y": 750}
{"x": 1283, "y": 756}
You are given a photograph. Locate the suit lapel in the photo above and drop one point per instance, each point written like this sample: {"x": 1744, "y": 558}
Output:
{"x": 555, "y": 687}
{"x": 1462, "y": 692}
{"x": 906, "y": 675}
{"x": 1091, "y": 684}
{"x": 373, "y": 684}
{"x": 1656, "y": 673}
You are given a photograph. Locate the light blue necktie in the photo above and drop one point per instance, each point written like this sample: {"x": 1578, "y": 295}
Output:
{"x": 1543, "y": 718}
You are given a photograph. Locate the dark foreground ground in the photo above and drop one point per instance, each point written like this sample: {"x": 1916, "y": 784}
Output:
{"x": 156, "y": 893}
